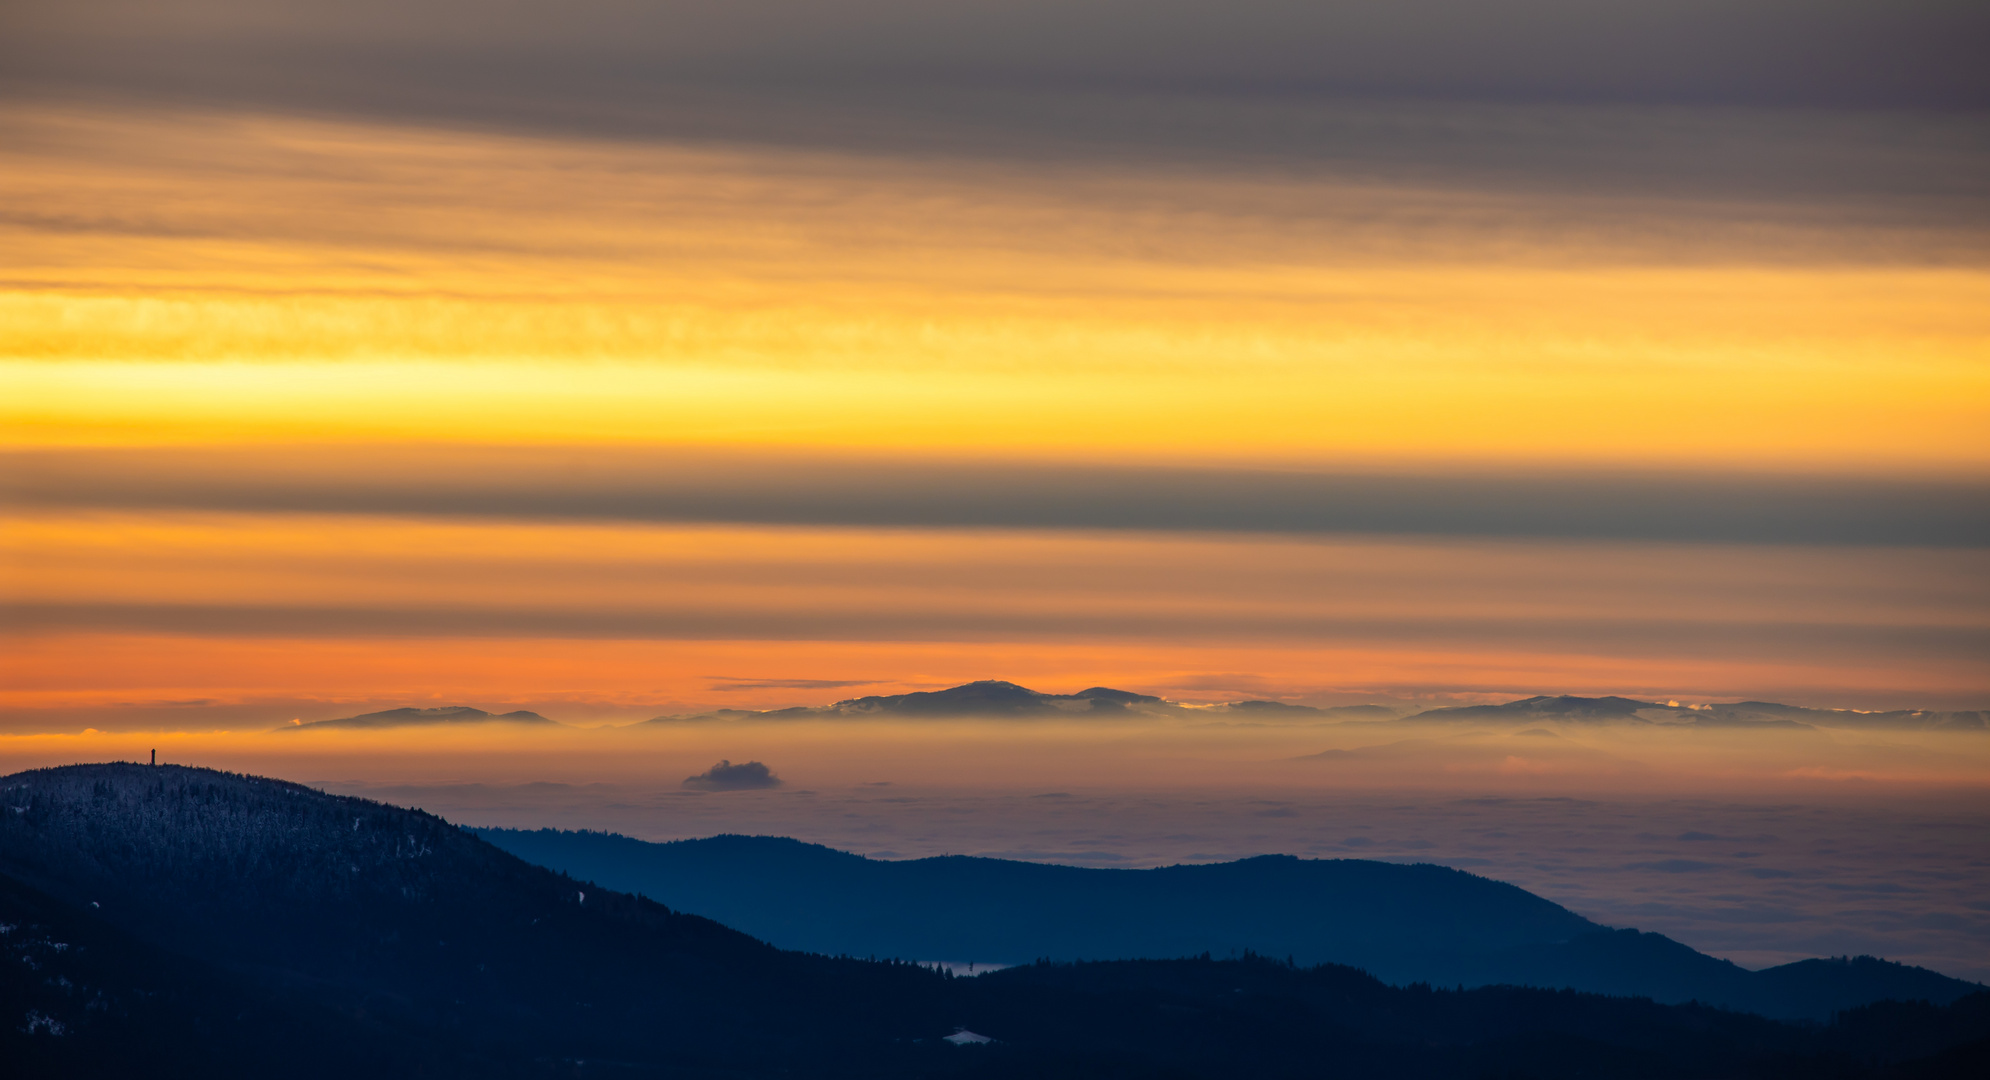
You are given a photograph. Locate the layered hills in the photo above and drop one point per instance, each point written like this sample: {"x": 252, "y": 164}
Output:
{"x": 1403, "y": 923}
{"x": 995, "y": 699}
{"x": 171, "y": 921}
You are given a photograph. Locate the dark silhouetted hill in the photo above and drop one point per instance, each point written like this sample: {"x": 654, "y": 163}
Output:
{"x": 1403, "y": 923}
{"x": 400, "y": 916}
{"x": 168, "y": 921}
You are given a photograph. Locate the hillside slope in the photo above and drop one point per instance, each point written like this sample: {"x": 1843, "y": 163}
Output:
{"x": 397, "y": 913}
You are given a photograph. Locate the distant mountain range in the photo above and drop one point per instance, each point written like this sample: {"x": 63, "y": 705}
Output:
{"x": 1402, "y": 923}
{"x": 995, "y": 699}
{"x": 411, "y": 717}
{"x": 164, "y": 921}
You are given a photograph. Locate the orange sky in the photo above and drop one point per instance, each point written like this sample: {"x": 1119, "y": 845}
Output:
{"x": 256, "y": 282}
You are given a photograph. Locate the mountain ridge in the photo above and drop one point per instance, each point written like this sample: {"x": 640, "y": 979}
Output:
{"x": 1403, "y": 923}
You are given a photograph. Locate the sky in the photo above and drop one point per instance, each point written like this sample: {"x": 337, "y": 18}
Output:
{"x": 651, "y": 356}
{"x": 616, "y": 359}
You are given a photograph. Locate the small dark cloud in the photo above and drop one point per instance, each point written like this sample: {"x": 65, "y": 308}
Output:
{"x": 725, "y": 776}
{"x": 1357, "y": 841}
{"x": 1767, "y": 872}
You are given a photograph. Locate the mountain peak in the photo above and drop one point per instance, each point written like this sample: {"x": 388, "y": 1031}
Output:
{"x": 985, "y": 697}
{"x": 1124, "y": 697}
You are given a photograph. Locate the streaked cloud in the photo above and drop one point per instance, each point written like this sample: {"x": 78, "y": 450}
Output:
{"x": 130, "y": 606}
{"x": 1631, "y": 634}
{"x": 605, "y": 484}
{"x": 462, "y": 55}
{"x": 360, "y": 283}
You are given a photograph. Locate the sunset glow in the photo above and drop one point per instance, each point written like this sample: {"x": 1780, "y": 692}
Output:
{"x": 1446, "y": 537}
{"x": 388, "y": 288}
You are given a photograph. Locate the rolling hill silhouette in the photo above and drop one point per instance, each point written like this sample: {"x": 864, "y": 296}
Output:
{"x": 1405, "y": 924}
{"x": 171, "y": 921}
{"x": 990, "y": 698}
{"x": 413, "y": 717}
